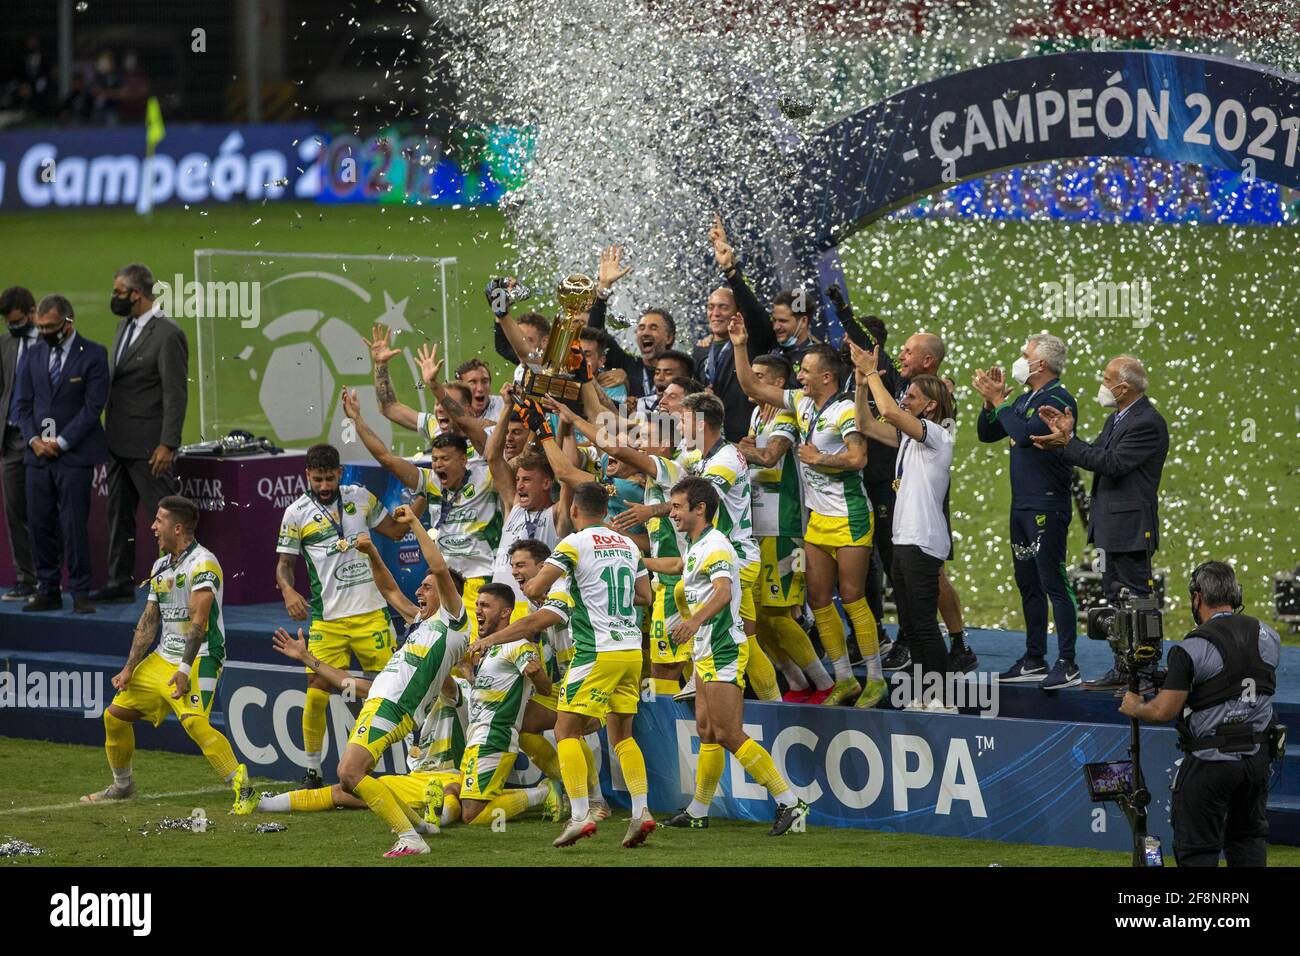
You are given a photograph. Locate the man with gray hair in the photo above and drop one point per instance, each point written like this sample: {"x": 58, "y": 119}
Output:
{"x": 149, "y": 389}
{"x": 1040, "y": 505}
{"x": 1126, "y": 461}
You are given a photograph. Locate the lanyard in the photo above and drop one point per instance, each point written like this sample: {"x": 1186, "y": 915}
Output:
{"x": 446, "y": 503}
{"x": 174, "y": 561}
{"x": 712, "y": 451}
{"x": 716, "y": 354}
{"x": 812, "y": 423}
{"x": 530, "y": 527}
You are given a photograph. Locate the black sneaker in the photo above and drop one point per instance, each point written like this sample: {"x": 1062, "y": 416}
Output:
{"x": 785, "y": 817}
{"x": 1027, "y": 670}
{"x": 1111, "y": 680}
{"x": 1064, "y": 674}
{"x": 687, "y": 822}
{"x": 110, "y": 594}
{"x": 81, "y": 605}
{"x": 897, "y": 659}
{"x": 962, "y": 660}
{"x": 19, "y": 592}
{"x": 312, "y": 780}
{"x": 45, "y": 601}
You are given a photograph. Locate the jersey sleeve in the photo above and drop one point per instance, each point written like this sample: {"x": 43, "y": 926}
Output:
{"x": 375, "y": 510}
{"x": 427, "y": 424}
{"x": 153, "y": 578}
{"x": 1180, "y": 669}
{"x": 784, "y": 425}
{"x": 792, "y": 397}
{"x": 561, "y": 603}
{"x": 458, "y": 623}
{"x": 934, "y": 435}
{"x": 428, "y": 484}
{"x": 846, "y": 422}
{"x": 206, "y": 576}
{"x": 667, "y": 472}
{"x": 718, "y": 564}
{"x": 290, "y": 539}
{"x": 721, "y": 472}
{"x": 524, "y": 654}
{"x": 565, "y": 555}
{"x": 641, "y": 571}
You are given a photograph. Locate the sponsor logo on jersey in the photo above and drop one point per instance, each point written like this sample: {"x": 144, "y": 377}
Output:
{"x": 356, "y": 571}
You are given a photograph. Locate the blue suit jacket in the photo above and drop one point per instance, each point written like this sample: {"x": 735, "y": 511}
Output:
{"x": 1126, "y": 461}
{"x": 74, "y": 407}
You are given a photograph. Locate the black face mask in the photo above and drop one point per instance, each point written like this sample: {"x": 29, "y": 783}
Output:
{"x": 54, "y": 339}
{"x": 120, "y": 305}
{"x": 19, "y": 331}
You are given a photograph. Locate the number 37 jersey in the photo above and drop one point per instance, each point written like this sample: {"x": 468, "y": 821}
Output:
{"x": 601, "y": 567}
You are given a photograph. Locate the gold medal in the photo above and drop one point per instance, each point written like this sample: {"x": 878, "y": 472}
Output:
{"x": 341, "y": 545}
{"x": 897, "y": 482}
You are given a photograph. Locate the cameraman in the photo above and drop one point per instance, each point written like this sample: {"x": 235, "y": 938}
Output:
{"x": 1221, "y": 681}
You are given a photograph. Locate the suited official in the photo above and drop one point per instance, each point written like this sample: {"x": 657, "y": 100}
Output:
{"x": 61, "y": 389}
{"x": 149, "y": 370}
{"x": 1126, "y": 461}
{"x": 716, "y": 364}
{"x": 18, "y": 307}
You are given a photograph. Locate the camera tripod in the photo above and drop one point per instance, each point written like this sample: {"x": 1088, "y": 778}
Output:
{"x": 1135, "y": 804}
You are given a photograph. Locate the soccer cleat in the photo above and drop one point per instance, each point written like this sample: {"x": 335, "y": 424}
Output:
{"x": 553, "y": 805}
{"x": 785, "y": 817}
{"x": 899, "y": 658}
{"x": 425, "y": 828}
{"x": 1027, "y": 670}
{"x": 113, "y": 791}
{"x": 433, "y": 800}
{"x": 599, "y": 810}
{"x": 575, "y": 830}
{"x": 312, "y": 780}
{"x": 1064, "y": 674}
{"x": 798, "y": 696}
{"x": 962, "y": 660}
{"x": 842, "y": 692}
{"x": 685, "y": 821}
{"x": 875, "y": 691}
{"x": 245, "y": 802}
{"x": 638, "y": 830}
{"x": 405, "y": 846}
{"x": 819, "y": 696}
{"x": 688, "y": 690}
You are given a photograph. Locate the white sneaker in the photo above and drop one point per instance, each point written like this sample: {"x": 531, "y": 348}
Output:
{"x": 405, "y": 846}
{"x": 113, "y": 791}
{"x": 688, "y": 691}
{"x": 934, "y": 707}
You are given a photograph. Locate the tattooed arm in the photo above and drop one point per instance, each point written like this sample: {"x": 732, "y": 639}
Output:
{"x": 145, "y": 632}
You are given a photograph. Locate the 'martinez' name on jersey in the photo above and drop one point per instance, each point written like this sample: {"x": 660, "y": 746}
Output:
{"x": 468, "y": 519}
{"x": 342, "y": 584}
{"x": 170, "y": 587}
{"x": 602, "y": 567}
{"x": 413, "y": 676}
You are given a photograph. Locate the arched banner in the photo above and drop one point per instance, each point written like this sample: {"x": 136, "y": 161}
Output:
{"x": 1175, "y": 107}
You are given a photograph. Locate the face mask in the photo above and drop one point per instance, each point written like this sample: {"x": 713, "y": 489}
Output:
{"x": 18, "y": 331}
{"x": 790, "y": 342}
{"x": 120, "y": 305}
{"x": 1105, "y": 397}
{"x": 1020, "y": 370}
{"x": 54, "y": 339}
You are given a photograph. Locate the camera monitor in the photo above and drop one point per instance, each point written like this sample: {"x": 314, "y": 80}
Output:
{"x": 1110, "y": 780}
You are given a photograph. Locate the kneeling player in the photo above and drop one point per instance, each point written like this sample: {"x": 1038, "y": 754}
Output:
{"x": 185, "y": 596}
{"x": 711, "y": 586}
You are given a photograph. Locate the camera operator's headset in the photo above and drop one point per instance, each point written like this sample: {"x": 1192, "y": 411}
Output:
{"x": 1194, "y": 587}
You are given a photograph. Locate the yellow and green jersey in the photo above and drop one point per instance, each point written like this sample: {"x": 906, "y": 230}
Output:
{"x": 600, "y": 568}
{"x": 413, "y": 677}
{"x": 778, "y": 505}
{"x": 171, "y": 584}
{"x": 426, "y": 423}
{"x": 555, "y": 641}
{"x": 468, "y": 518}
{"x": 833, "y": 492}
{"x": 665, "y": 540}
{"x": 726, "y": 469}
{"x": 709, "y": 558}
{"x": 441, "y": 741}
{"x": 342, "y": 584}
{"x": 496, "y": 703}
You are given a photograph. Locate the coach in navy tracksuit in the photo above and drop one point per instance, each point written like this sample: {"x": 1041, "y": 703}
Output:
{"x": 1040, "y": 506}
{"x": 61, "y": 390}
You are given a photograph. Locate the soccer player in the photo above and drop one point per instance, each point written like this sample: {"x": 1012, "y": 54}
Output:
{"x": 778, "y": 525}
{"x": 345, "y": 608}
{"x": 711, "y": 586}
{"x": 837, "y": 544}
{"x": 504, "y": 680}
{"x": 402, "y": 693}
{"x": 468, "y": 507}
{"x": 180, "y": 676}
{"x": 605, "y": 580}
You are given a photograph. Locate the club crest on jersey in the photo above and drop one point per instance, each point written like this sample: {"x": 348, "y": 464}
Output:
{"x": 349, "y": 508}
{"x": 690, "y": 563}
{"x": 180, "y": 579}
{"x": 467, "y": 491}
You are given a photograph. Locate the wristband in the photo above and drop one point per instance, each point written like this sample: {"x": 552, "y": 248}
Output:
{"x": 604, "y": 293}
{"x": 184, "y": 668}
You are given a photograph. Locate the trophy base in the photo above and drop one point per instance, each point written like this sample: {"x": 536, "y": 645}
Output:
{"x": 539, "y": 385}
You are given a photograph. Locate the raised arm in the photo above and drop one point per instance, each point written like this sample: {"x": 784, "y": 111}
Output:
{"x": 503, "y": 476}
{"x": 384, "y": 578}
{"x": 407, "y": 473}
{"x": 756, "y": 390}
{"x": 381, "y": 353}
{"x": 905, "y": 422}
{"x": 448, "y": 594}
{"x": 757, "y": 320}
{"x": 471, "y": 426}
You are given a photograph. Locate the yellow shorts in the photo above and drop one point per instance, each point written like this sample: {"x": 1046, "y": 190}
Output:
{"x": 469, "y": 595}
{"x": 663, "y": 649}
{"x": 749, "y": 591}
{"x": 609, "y": 684}
{"x": 409, "y": 787}
{"x": 723, "y": 669}
{"x": 831, "y": 534}
{"x": 782, "y": 582}
{"x": 369, "y": 636}
{"x": 484, "y": 774}
{"x": 380, "y": 724}
{"x": 149, "y": 693}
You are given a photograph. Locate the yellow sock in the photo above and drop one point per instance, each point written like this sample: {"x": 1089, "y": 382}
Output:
{"x": 708, "y": 771}
{"x": 831, "y": 631}
{"x": 573, "y": 768}
{"x": 665, "y": 687}
{"x": 313, "y": 721}
{"x": 761, "y": 674}
{"x": 864, "y": 627}
{"x": 511, "y": 802}
{"x": 593, "y": 775}
{"x": 213, "y": 744}
{"x": 790, "y": 637}
{"x": 759, "y": 764}
{"x": 633, "y": 764}
{"x": 381, "y": 800}
{"x": 119, "y": 742}
{"x": 542, "y": 754}
{"x": 320, "y": 798}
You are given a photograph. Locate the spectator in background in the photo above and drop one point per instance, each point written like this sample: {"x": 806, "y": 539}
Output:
{"x": 18, "y": 307}
{"x": 61, "y": 390}
{"x": 78, "y": 107}
{"x": 655, "y": 330}
{"x": 1040, "y": 506}
{"x": 106, "y": 84}
{"x": 1126, "y": 461}
{"x": 148, "y": 394}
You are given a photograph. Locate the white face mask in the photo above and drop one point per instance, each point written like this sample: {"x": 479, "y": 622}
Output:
{"x": 1020, "y": 370}
{"x": 1105, "y": 397}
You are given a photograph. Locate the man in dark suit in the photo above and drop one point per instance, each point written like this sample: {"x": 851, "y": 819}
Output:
{"x": 61, "y": 390}
{"x": 18, "y": 307}
{"x": 149, "y": 382}
{"x": 1126, "y": 461}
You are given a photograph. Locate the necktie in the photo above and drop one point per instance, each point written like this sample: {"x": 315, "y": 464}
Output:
{"x": 56, "y": 367}
{"x": 126, "y": 340}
